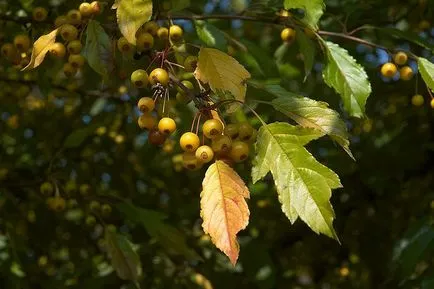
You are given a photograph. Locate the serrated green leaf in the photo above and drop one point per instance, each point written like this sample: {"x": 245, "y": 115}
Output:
{"x": 131, "y": 15}
{"x": 310, "y": 113}
{"x": 124, "y": 259}
{"x": 348, "y": 78}
{"x": 313, "y": 9}
{"x": 98, "y": 49}
{"x": 307, "y": 48}
{"x": 168, "y": 236}
{"x": 303, "y": 184}
{"x": 426, "y": 69}
{"x": 210, "y": 35}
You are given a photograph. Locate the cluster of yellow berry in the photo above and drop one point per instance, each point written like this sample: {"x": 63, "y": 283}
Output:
{"x": 230, "y": 143}
{"x": 390, "y": 69}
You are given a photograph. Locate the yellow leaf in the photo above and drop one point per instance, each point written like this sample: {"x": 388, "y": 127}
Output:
{"x": 131, "y": 15}
{"x": 222, "y": 72}
{"x": 40, "y": 49}
{"x": 223, "y": 207}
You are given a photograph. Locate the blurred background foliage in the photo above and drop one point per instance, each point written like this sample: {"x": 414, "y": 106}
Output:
{"x": 82, "y": 137}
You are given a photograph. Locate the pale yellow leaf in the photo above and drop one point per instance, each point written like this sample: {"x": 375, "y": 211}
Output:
{"x": 131, "y": 15}
{"x": 41, "y": 48}
{"x": 222, "y": 72}
{"x": 224, "y": 209}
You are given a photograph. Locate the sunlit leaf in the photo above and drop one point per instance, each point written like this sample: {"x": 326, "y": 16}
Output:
{"x": 426, "y": 69}
{"x": 124, "y": 259}
{"x": 222, "y": 72}
{"x": 223, "y": 207}
{"x": 313, "y": 9}
{"x": 40, "y": 49}
{"x": 131, "y": 15}
{"x": 348, "y": 78}
{"x": 98, "y": 49}
{"x": 303, "y": 184}
{"x": 210, "y": 35}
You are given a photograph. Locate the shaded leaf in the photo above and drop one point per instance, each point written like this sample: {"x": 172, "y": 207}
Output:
{"x": 303, "y": 184}
{"x": 131, "y": 15}
{"x": 124, "y": 259}
{"x": 307, "y": 48}
{"x": 40, "y": 49}
{"x": 210, "y": 35}
{"x": 223, "y": 207}
{"x": 266, "y": 63}
{"x": 98, "y": 106}
{"x": 177, "y": 5}
{"x": 97, "y": 49}
{"x": 426, "y": 69}
{"x": 348, "y": 78}
{"x": 313, "y": 9}
{"x": 222, "y": 72}
{"x": 168, "y": 236}
{"x": 310, "y": 113}
{"x": 410, "y": 36}
{"x": 77, "y": 137}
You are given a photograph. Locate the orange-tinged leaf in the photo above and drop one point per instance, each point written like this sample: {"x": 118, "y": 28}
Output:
{"x": 224, "y": 209}
{"x": 41, "y": 48}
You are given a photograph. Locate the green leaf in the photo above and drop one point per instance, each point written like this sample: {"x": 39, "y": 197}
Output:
{"x": 428, "y": 283}
{"x": 98, "y": 106}
{"x": 311, "y": 114}
{"x": 426, "y": 69}
{"x": 307, "y": 48}
{"x": 76, "y": 138}
{"x": 266, "y": 64}
{"x": 131, "y": 15}
{"x": 313, "y": 9}
{"x": 178, "y": 5}
{"x": 303, "y": 184}
{"x": 348, "y": 78}
{"x": 17, "y": 270}
{"x": 124, "y": 259}
{"x": 97, "y": 49}
{"x": 210, "y": 35}
{"x": 168, "y": 236}
{"x": 410, "y": 36}
{"x": 413, "y": 248}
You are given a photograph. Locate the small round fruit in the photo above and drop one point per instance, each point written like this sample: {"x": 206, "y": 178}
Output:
{"x": 190, "y": 63}
{"x": 159, "y": 75}
{"x": 8, "y": 50}
{"x": 406, "y": 73}
{"x": 74, "y": 47}
{"x": 139, "y": 78}
{"x": 417, "y": 100}
{"x": 151, "y": 27}
{"x": 58, "y": 49}
{"x": 84, "y": 189}
{"x": 85, "y": 9}
{"x": 68, "y": 32}
{"x": 39, "y": 14}
{"x": 22, "y": 42}
{"x": 189, "y": 142}
{"x": 146, "y": 104}
{"x": 90, "y": 221}
{"x": 156, "y": 138}
{"x": 245, "y": 131}
{"x": 231, "y": 130}
{"x": 60, "y": 20}
{"x": 106, "y": 209}
{"x": 46, "y": 189}
{"x": 400, "y": 58}
{"x": 432, "y": 103}
{"x": 175, "y": 33}
{"x": 221, "y": 145}
{"x": 145, "y": 41}
{"x": 42, "y": 261}
{"x": 204, "y": 154}
{"x": 96, "y": 7}
{"x": 212, "y": 128}
{"x": 187, "y": 84}
{"x": 189, "y": 161}
{"x": 163, "y": 33}
{"x": 181, "y": 97}
{"x": 147, "y": 121}
{"x": 69, "y": 70}
{"x": 94, "y": 206}
{"x": 239, "y": 151}
{"x": 388, "y": 69}
{"x": 58, "y": 204}
{"x": 166, "y": 125}
{"x": 288, "y": 35}
{"x": 124, "y": 46}
{"x": 76, "y": 60}
{"x": 74, "y": 16}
